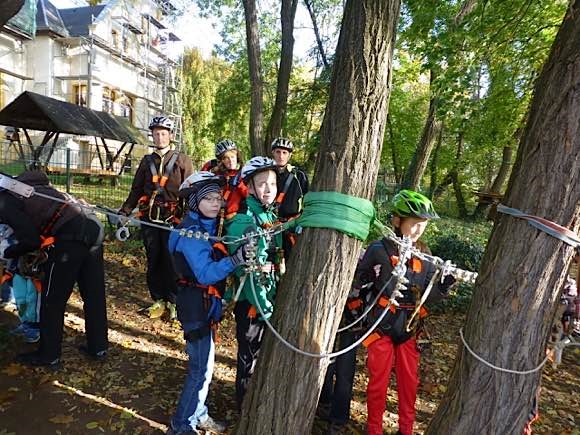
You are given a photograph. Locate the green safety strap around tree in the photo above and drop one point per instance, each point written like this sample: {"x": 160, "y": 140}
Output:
{"x": 348, "y": 214}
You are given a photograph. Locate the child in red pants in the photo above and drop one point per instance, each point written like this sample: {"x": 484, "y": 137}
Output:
{"x": 391, "y": 344}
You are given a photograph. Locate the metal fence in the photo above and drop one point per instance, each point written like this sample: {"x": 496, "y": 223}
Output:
{"x": 78, "y": 170}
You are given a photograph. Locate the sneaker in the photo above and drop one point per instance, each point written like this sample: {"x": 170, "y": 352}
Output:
{"x": 31, "y": 334}
{"x": 35, "y": 359}
{"x": 172, "y": 311}
{"x": 156, "y": 310}
{"x": 172, "y": 431}
{"x": 209, "y": 424}
{"x": 97, "y": 356}
{"x": 19, "y": 330}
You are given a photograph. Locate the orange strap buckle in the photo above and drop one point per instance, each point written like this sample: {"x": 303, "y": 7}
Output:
{"x": 354, "y": 304}
{"x": 252, "y": 313}
{"x": 371, "y": 339}
{"x": 163, "y": 181}
{"x": 46, "y": 242}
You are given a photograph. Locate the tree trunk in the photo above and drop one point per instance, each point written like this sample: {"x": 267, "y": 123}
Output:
{"x": 420, "y": 159}
{"x": 310, "y": 6}
{"x": 435, "y": 161}
{"x": 523, "y": 269}
{"x": 284, "y": 391}
{"x": 257, "y": 85}
{"x": 498, "y": 183}
{"x": 287, "y": 13}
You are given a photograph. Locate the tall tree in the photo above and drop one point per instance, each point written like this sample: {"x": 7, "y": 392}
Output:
{"x": 523, "y": 269}
{"x": 310, "y": 6}
{"x": 287, "y": 14}
{"x": 311, "y": 296}
{"x": 256, "y": 82}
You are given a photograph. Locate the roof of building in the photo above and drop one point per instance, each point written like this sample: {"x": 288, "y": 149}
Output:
{"x": 77, "y": 20}
{"x": 48, "y": 19}
{"x": 37, "y": 112}
{"x": 24, "y": 22}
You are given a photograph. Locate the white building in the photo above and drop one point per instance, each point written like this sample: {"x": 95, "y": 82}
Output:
{"x": 112, "y": 57}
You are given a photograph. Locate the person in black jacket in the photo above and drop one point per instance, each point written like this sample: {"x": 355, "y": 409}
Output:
{"x": 70, "y": 246}
{"x": 292, "y": 182}
{"x": 394, "y": 342}
{"x": 155, "y": 191}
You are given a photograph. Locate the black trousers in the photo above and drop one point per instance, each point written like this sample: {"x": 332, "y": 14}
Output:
{"x": 160, "y": 272}
{"x": 249, "y": 333}
{"x": 69, "y": 262}
{"x": 337, "y": 388}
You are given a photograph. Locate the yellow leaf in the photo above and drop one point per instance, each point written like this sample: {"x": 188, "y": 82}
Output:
{"x": 92, "y": 425}
{"x": 13, "y": 369}
{"x": 62, "y": 419}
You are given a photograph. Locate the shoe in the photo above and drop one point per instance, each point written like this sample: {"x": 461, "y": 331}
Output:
{"x": 172, "y": 431}
{"x": 172, "y": 311}
{"x": 35, "y": 359}
{"x": 19, "y": 330}
{"x": 97, "y": 356}
{"x": 323, "y": 411}
{"x": 209, "y": 424}
{"x": 31, "y": 334}
{"x": 156, "y": 310}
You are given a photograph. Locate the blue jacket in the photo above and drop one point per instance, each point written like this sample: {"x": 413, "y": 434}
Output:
{"x": 196, "y": 261}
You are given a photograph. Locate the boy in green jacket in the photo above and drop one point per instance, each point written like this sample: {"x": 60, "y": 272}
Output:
{"x": 255, "y": 217}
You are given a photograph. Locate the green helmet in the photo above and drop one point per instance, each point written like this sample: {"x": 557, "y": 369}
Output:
{"x": 408, "y": 203}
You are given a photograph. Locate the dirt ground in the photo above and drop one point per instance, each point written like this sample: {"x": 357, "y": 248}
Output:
{"x": 136, "y": 389}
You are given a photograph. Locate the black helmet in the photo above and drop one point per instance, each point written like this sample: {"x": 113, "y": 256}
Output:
{"x": 223, "y": 146}
{"x": 283, "y": 143}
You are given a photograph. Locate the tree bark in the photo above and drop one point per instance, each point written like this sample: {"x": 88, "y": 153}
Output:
{"x": 287, "y": 14}
{"x": 310, "y": 6}
{"x": 418, "y": 164}
{"x": 283, "y": 393}
{"x": 256, "y": 82}
{"x": 523, "y": 269}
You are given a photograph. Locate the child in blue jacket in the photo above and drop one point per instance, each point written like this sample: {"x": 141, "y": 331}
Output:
{"x": 201, "y": 269}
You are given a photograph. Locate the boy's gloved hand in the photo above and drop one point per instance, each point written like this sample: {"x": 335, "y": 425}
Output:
{"x": 240, "y": 257}
{"x": 214, "y": 313}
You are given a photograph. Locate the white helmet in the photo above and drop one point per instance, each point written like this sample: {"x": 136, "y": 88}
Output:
{"x": 197, "y": 180}
{"x": 281, "y": 142}
{"x": 223, "y": 146}
{"x": 255, "y": 165}
{"x": 161, "y": 122}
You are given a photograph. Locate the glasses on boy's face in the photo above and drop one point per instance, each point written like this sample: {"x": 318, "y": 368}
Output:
{"x": 213, "y": 199}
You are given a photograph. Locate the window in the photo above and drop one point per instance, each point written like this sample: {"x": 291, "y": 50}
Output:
{"x": 79, "y": 96}
{"x": 107, "y": 100}
{"x": 1, "y": 91}
{"x": 116, "y": 40}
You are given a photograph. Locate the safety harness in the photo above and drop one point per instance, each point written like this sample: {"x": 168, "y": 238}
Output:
{"x": 156, "y": 207}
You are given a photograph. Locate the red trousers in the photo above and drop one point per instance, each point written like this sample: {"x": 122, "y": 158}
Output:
{"x": 381, "y": 356}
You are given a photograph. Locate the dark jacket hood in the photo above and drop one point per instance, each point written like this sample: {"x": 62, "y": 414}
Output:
{"x": 34, "y": 178}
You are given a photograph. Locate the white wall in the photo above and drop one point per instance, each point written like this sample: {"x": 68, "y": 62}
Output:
{"x": 12, "y": 59}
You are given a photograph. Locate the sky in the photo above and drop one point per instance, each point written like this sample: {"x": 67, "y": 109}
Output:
{"x": 203, "y": 33}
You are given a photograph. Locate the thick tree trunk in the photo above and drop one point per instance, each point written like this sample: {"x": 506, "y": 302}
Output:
{"x": 523, "y": 268}
{"x": 310, "y": 6}
{"x": 256, "y": 82}
{"x": 284, "y": 390}
{"x": 287, "y": 13}
{"x": 418, "y": 164}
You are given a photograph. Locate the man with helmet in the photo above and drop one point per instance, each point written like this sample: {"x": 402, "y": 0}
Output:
{"x": 227, "y": 163}
{"x": 394, "y": 342}
{"x": 292, "y": 181}
{"x": 201, "y": 270}
{"x": 260, "y": 176}
{"x": 155, "y": 191}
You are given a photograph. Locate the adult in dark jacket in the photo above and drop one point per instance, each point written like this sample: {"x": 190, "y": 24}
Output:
{"x": 155, "y": 191}
{"x": 71, "y": 246}
{"x": 394, "y": 341}
{"x": 292, "y": 182}
{"x": 201, "y": 269}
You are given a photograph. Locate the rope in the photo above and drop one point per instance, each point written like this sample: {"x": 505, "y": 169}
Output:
{"x": 499, "y": 369}
{"x": 319, "y": 355}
